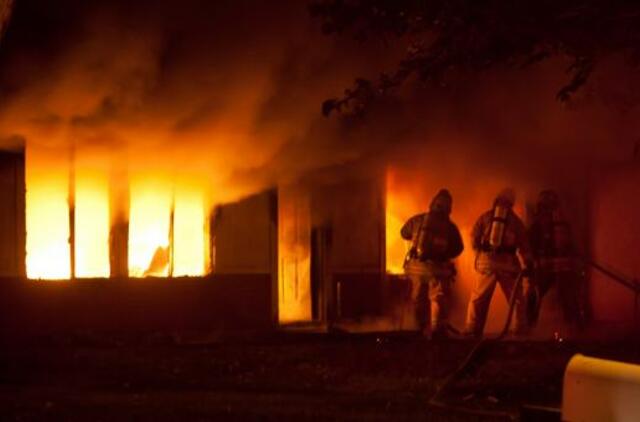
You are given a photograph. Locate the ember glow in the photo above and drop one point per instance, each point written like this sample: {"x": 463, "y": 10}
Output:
{"x": 168, "y": 220}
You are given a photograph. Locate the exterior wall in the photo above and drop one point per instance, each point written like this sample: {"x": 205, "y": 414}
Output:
{"x": 12, "y": 214}
{"x": 52, "y": 309}
{"x": 239, "y": 296}
{"x": 331, "y": 248}
{"x": 615, "y": 242}
{"x": 354, "y": 212}
{"x": 245, "y": 235}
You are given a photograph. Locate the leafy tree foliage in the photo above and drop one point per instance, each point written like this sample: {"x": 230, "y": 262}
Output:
{"x": 446, "y": 37}
{"x": 5, "y": 12}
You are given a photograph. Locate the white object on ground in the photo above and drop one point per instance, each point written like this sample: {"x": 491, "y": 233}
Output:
{"x": 600, "y": 390}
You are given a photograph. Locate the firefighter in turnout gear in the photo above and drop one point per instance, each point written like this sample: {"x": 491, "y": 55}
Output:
{"x": 498, "y": 237}
{"x": 553, "y": 249}
{"x": 435, "y": 242}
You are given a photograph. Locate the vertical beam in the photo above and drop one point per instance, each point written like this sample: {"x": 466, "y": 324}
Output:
{"x": 118, "y": 246}
{"x": 119, "y": 210}
{"x": 72, "y": 210}
{"x": 294, "y": 254}
{"x": 214, "y": 220}
{"x": 12, "y": 212}
{"x": 21, "y": 214}
{"x": 172, "y": 222}
{"x": 273, "y": 249}
{"x": 207, "y": 240}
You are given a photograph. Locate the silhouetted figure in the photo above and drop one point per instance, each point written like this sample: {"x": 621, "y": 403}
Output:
{"x": 553, "y": 249}
{"x": 435, "y": 242}
{"x": 498, "y": 236}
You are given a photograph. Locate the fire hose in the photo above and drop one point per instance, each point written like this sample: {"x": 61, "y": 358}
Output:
{"x": 437, "y": 400}
{"x": 471, "y": 358}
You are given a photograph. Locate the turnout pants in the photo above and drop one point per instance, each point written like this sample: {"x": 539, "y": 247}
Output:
{"x": 481, "y": 299}
{"x": 437, "y": 291}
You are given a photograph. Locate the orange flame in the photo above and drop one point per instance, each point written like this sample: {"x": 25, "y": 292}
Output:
{"x": 400, "y": 206}
{"x": 164, "y": 215}
{"x": 47, "y": 216}
{"x": 91, "y": 221}
{"x": 149, "y": 221}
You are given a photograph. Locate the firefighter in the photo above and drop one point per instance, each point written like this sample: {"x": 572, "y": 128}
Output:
{"x": 498, "y": 237}
{"x": 553, "y": 249}
{"x": 435, "y": 242}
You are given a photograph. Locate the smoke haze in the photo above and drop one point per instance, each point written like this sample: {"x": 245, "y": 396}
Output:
{"x": 232, "y": 90}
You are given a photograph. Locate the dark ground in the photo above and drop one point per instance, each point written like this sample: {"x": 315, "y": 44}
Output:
{"x": 277, "y": 377}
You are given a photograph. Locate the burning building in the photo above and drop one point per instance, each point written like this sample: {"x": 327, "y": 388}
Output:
{"x": 322, "y": 250}
{"x": 160, "y": 175}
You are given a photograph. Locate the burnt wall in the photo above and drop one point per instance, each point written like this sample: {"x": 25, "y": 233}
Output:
{"x": 239, "y": 296}
{"x": 354, "y": 213}
{"x": 245, "y": 235}
{"x": 59, "y": 308}
{"x": 331, "y": 246}
{"x": 615, "y": 242}
{"x": 244, "y": 244}
{"x": 359, "y": 294}
{"x": 12, "y": 214}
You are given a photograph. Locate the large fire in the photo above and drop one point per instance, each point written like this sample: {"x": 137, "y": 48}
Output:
{"x": 150, "y": 216}
{"x": 70, "y": 206}
{"x": 48, "y": 253}
{"x": 91, "y": 221}
{"x": 400, "y": 206}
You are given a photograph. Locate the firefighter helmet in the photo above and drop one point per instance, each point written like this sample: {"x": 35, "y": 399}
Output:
{"x": 442, "y": 202}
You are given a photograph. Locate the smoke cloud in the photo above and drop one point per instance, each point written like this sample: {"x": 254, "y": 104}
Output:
{"x": 215, "y": 88}
{"x": 232, "y": 90}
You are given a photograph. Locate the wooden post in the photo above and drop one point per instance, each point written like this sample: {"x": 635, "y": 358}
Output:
{"x": 72, "y": 211}
{"x": 119, "y": 211}
{"x": 172, "y": 220}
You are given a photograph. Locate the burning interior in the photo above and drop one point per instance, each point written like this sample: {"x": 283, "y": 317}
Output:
{"x": 80, "y": 224}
